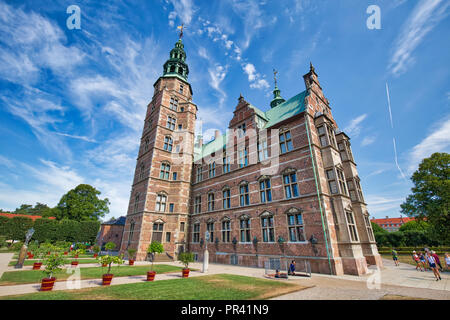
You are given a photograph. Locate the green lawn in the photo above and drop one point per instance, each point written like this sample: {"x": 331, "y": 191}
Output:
{"x": 212, "y": 287}
{"x": 68, "y": 261}
{"x": 16, "y": 256}
{"x": 35, "y": 276}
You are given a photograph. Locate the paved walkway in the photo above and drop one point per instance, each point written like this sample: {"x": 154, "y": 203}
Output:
{"x": 5, "y": 258}
{"x": 403, "y": 280}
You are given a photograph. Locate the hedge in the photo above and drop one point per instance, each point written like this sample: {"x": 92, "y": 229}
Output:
{"x": 47, "y": 230}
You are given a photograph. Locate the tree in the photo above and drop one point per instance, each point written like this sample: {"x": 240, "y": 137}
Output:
{"x": 415, "y": 225}
{"x": 17, "y": 227}
{"x": 82, "y": 204}
{"x": 24, "y": 209}
{"x": 377, "y": 228}
{"x": 430, "y": 196}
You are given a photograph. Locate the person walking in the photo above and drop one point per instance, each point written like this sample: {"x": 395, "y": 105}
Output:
{"x": 417, "y": 261}
{"x": 423, "y": 261}
{"x": 395, "y": 257}
{"x": 432, "y": 263}
{"x": 436, "y": 257}
{"x": 447, "y": 260}
{"x": 292, "y": 268}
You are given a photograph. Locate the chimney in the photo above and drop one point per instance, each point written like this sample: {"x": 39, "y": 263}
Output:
{"x": 200, "y": 142}
{"x": 216, "y": 134}
{"x": 387, "y": 217}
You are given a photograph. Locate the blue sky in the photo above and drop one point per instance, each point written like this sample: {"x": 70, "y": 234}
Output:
{"x": 72, "y": 102}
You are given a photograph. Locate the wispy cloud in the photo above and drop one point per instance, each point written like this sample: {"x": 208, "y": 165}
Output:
{"x": 437, "y": 141}
{"x": 255, "y": 78}
{"x": 353, "y": 129}
{"x": 425, "y": 16}
{"x": 377, "y": 204}
{"x": 368, "y": 141}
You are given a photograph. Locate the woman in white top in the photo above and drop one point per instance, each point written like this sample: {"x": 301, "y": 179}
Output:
{"x": 447, "y": 260}
{"x": 432, "y": 263}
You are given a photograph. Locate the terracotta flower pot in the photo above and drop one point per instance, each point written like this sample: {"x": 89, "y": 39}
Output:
{"x": 131, "y": 262}
{"x": 65, "y": 253}
{"x": 37, "y": 265}
{"x": 107, "y": 278}
{"x": 31, "y": 256}
{"x": 95, "y": 255}
{"x": 47, "y": 284}
{"x": 48, "y": 253}
{"x": 185, "y": 273}
{"x": 104, "y": 264}
{"x": 151, "y": 275}
{"x": 29, "y": 252}
{"x": 74, "y": 263}
{"x": 76, "y": 256}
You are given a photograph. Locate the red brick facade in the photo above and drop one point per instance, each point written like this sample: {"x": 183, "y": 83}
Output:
{"x": 309, "y": 217}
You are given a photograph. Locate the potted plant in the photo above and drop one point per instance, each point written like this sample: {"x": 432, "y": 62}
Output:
{"x": 108, "y": 260}
{"x": 131, "y": 253}
{"x": 110, "y": 246}
{"x": 75, "y": 254}
{"x": 154, "y": 247}
{"x": 186, "y": 258}
{"x": 53, "y": 263}
{"x": 96, "y": 250}
{"x": 40, "y": 253}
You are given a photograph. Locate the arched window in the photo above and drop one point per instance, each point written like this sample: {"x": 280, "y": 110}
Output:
{"x": 161, "y": 200}
{"x": 211, "y": 201}
{"x": 226, "y": 198}
{"x": 172, "y": 68}
{"x": 142, "y": 171}
{"x": 168, "y": 142}
{"x": 243, "y": 194}
{"x": 267, "y": 227}
{"x": 226, "y": 229}
{"x": 212, "y": 170}
{"x": 165, "y": 171}
{"x": 136, "y": 203}
{"x": 265, "y": 190}
{"x": 180, "y": 70}
{"x": 296, "y": 229}
{"x": 244, "y": 227}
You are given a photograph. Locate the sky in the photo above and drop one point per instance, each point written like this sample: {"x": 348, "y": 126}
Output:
{"x": 73, "y": 101}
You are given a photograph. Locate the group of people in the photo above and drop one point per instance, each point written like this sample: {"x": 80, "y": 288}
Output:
{"x": 425, "y": 260}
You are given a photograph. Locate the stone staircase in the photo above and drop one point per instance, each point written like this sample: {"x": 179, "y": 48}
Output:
{"x": 163, "y": 257}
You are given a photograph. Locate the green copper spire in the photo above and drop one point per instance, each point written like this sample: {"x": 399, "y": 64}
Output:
{"x": 176, "y": 65}
{"x": 277, "y": 99}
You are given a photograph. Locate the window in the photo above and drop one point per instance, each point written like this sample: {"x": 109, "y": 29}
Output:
{"x": 180, "y": 127}
{"x": 171, "y": 207}
{"x": 157, "y": 231}
{"x": 161, "y": 200}
{"x": 342, "y": 151}
{"x": 146, "y": 144}
{"x": 198, "y": 204}
{"x": 241, "y": 130}
{"x": 168, "y": 142}
{"x": 332, "y": 181}
{"x": 182, "y": 226}
{"x": 245, "y": 229}
{"x": 295, "y": 227}
{"x": 331, "y": 135}
{"x": 149, "y": 124}
{"x": 263, "y": 153}
{"x": 290, "y": 185}
{"x": 198, "y": 174}
{"x": 286, "y": 142}
{"x": 351, "y": 226}
{"x": 212, "y": 170}
{"x": 341, "y": 180}
{"x": 322, "y": 136}
{"x": 210, "y": 228}
{"x": 243, "y": 158}
{"x": 181, "y": 88}
{"x": 226, "y": 163}
{"x": 265, "y": 191}
{"x": 196, "y": 232}
{"x": 167, "y": 236}
{"x": 130, "y": 236}
{"x": 165, "y": 171}
{"x": 358, "y": 189}
{"x": 211, "y": 202}
{"x": 174, "y": 176}
{"x": 142, "y": 171}
{"x": 351, "y": 190}
{"x": 136, "y": 203}
{"x": 226, "y": 230}
{"x": 173, "y": 104}
{"x": 226, "y": 198}
{"x": 268, "y": 233}
{"x": 171, "y": 123}
{"x": 182, "y": 109}
{"x": 244, "y": 197}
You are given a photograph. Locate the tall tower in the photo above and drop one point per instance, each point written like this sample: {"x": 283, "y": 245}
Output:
{"x": 159, "y": 200}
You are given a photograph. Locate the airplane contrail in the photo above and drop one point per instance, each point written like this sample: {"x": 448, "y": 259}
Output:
{"x": 393, "y": 138}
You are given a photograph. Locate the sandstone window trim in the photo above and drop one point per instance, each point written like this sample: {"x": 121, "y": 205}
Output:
{"x": 290, "y": 185}
{"x": 157, "y": 231}
{"x": 244, "y": 195}
{"x": 211, "y": 201}
{"x": 198, "y": 174}
{"x": 285, "y": 141}
{"x": 296, "y": 225}
{"x": 226, "y": 195}
{"x": 198, "y": 204}
{"x": 226, "y": 229}
{"x": 171, "y": 122}
{"x": 212, "y": 170}
{"x": 265, "y": 190}
{"x": 244, "y": 229}
{"x": 263, "y": 151}
{"x": 341, "y": 180}
{"x": 141, "y": 171}
{"x": 168, "y": 143}
{"x": 369, "y": 227}
{"x": 196, "y": 232}
{"x": 267, "y": 227}
{"x": 161, "y": 202}
{"x": 165, "y": 171}
{"x": 173, "y": 104}
{"x": 351, "y": 225}
{"x": 332, "y": 183}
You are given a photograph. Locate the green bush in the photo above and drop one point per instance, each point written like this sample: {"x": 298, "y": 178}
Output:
{"x": 3, "y": 226}
{"x": 17, "y": 227}
{"x": 16, "y": 246}
{"x": 46, "y": 230}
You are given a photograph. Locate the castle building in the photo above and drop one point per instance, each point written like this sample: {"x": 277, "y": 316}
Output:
{"x": 278, "y": 184}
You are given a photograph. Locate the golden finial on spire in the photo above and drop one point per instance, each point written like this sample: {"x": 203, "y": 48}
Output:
{"x": 275, "y": 76}
{"x": 181, "y": 30}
